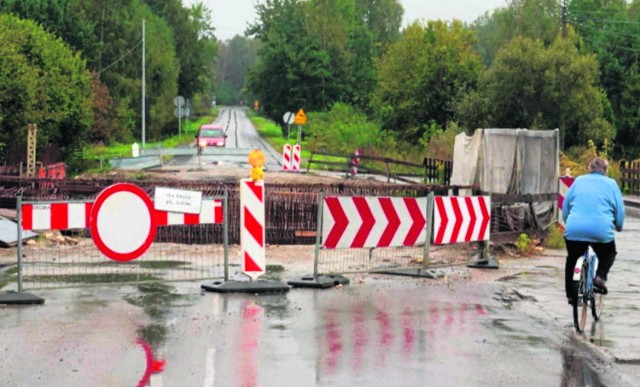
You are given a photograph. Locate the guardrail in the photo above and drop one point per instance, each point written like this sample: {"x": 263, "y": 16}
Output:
{"x": 431, "y": 171}
{"x": 193, "y": 151}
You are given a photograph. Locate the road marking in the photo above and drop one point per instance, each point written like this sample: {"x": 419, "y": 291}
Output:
{"x": 210, "y": 368}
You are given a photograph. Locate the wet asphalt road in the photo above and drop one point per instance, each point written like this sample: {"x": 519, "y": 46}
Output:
{"x": 380, "y": 332}
{"x": 385, "y": 331}
{"x": 242, "y": 137}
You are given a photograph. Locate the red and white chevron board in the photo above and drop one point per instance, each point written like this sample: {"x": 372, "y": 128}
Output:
{"x": 252, "y": 230}
{"x": 358, "y": 221}
{"x": 286, "y": 157}
{"x": 295, "y": 158}
{"x": 64, "y": 216}
{"x": 461, "y": 219}
{"x": 563, "y": 186}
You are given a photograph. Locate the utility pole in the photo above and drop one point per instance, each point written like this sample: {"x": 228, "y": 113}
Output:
{"x": 144, "y": 92}
{"x": 563, "y": 129}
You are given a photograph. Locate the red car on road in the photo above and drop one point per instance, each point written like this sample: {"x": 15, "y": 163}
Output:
{"x": 210, "y": 135}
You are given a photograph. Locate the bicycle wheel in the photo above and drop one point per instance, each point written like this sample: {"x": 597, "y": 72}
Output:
{"x": 597, "y": 303}
{"x": 581, "y": 306}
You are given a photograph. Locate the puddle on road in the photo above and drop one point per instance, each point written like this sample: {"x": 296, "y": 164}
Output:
{"x": 156, "y": 299}
{"x": 103, "y": 278}
{"x": 577, "y": 370}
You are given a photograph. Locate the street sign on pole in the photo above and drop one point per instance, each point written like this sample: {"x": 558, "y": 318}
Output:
{"x": 301, "y": 118}
{"x": 288, "y": 119}
{"x": 179, "y": 103}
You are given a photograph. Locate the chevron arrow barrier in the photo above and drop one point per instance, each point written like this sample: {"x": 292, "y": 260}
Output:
{"x": 461, "y": 219}
{"x": 364, "y": 222}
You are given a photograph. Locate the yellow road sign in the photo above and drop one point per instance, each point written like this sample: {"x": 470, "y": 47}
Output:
{"x": 301, "y": 118}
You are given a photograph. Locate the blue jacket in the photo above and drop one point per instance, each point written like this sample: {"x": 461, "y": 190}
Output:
{"x": 593, "y": 209}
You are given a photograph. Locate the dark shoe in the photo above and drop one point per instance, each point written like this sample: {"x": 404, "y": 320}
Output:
{"x": 600, "y": 284}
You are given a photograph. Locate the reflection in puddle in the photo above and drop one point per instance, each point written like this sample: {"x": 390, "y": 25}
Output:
{"x": 249, "y": 342}
{"x": 153, "y": 365}
{"x": 372, "y": 334}
{"x": 576, "y": 370}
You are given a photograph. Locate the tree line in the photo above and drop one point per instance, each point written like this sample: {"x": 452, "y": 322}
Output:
{"x": 537, "y": 64}
{"x": 73, "y": 67}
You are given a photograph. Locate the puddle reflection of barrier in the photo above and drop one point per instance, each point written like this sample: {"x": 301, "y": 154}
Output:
{"x": 371, "y": 334}
{"x": 67, "y": 253}
{"x": 410, "y": 236}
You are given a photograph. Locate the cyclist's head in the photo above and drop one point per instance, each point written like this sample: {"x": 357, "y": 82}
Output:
{"x": 599, "y": 165}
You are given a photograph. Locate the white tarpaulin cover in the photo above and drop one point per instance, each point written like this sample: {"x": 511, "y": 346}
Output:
{"x": 515, "y": 161}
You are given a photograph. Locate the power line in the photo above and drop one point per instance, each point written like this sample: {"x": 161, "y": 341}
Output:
{"x": 606, "y": 32}
{"x": 612, "y": 46}
{"x": 121, "y": 58}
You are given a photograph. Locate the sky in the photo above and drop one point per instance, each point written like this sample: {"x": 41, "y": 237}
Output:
{"x": 231, "y": 17}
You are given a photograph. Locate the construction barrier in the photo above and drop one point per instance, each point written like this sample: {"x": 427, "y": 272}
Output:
{"x": 371, "y": 234}
{"x": 252, "y": 230}
{"x": 121, "y": 236}
{"x": 286, "y": 157}
{"x": 295, "y": 158}
{"x": 564, "y": 183}
{"x": 355, "y": 162}
{"x": 361, "y": 234}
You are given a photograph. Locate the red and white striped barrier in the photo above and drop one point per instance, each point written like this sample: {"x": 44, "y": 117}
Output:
{"x": 252, "y": 230}
{"x": 355, "y": 162}
{"x": 210, "y": 213}
{"x": 563, "y": 186}
{"x": 352, "y": 222}
{"x": 461, "y": 219}
{"x": 286, "y": 157}
{"x": 65, "y": 216}
{"x": 295, "y": 158}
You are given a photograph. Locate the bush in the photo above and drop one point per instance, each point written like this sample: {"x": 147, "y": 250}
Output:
{"x": 555, "y": 238}
{"x": 524, "y": 244}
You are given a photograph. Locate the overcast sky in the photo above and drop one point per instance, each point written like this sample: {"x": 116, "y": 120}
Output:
{"x": 231, "y": 17}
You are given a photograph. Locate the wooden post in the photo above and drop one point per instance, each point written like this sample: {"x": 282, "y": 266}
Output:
{"x": 31, "y": 150}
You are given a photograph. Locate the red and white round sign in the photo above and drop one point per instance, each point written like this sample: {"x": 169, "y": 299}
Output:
{"x": 122, "y": 223}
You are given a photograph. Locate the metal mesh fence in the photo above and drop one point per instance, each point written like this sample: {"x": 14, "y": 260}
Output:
{"x": 69, "y": 258}
{"x": 368, "y": 259}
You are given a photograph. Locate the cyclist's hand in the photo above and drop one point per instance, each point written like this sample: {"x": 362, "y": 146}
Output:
{"x": 618, "y": 228}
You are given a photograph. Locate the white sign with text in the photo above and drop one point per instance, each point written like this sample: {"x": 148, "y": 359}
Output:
{"x": 178, "y": 200}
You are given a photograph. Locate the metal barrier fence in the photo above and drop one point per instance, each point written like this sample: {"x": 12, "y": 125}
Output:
{"x": 367, "y": 248}
{"x": 357, "y": 246}
{"x": 68, "y": 257}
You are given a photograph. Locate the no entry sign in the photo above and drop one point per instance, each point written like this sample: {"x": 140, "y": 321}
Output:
{"x": 122, "y": 223}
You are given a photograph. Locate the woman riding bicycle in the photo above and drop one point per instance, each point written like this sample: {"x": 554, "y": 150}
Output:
{"x": 592, "y": 210}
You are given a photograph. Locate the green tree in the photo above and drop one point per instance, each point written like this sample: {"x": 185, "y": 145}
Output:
{"x": 236, "y": 57}
{"x": 64, "y": 18}
{"x": 421, "y": 75}
{"x": 118, "y": 26}
{"x": 194, "y": 41}
{"x": 610, "y": 29}
{"x": 42, "y": 81}
{"x": 530, "y": 86}
{"x": 319, "y": 52}
{"x": 535, "y": 19}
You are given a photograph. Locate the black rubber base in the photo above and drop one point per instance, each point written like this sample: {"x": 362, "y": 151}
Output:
{"x": 15, "y": 298}
{"x": 422, "y": 273}
{"x": 255, "y": 287}
{"x": 322, "y": 281}
{"x": 490, "y": 263}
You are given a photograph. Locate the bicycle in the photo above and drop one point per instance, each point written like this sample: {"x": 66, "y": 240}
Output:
{"x": 587, "y": 295}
